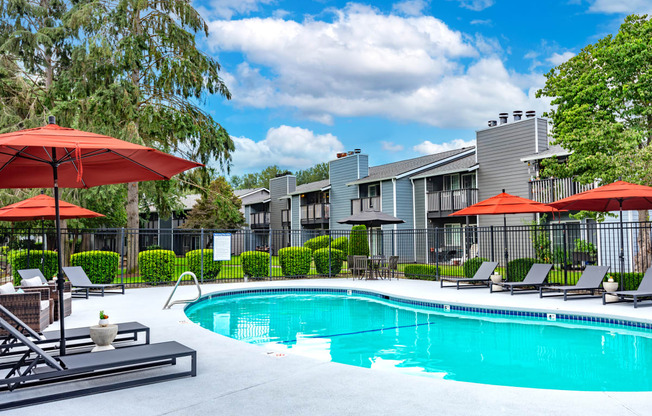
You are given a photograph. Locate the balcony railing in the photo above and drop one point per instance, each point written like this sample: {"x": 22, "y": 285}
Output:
{"x": 550, "y": 190}
{"x": 448, "y": 201}
{"x": 315, "y": 213}
{"x": 365, "y": 204}
{"x": 285, "y": 216}
{"x": 259, "y": 220}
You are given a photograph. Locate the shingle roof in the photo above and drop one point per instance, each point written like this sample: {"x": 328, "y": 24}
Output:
{"x": 311, "y": 187}
{"x": 241, "y": 192}
{"x": 553, "y": 150}
{"x": 463, "y": 164}
{"x": 392, "y": 170}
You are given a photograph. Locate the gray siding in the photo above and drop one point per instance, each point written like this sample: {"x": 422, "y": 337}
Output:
{"x": 343, "y": 171}
{"x": 279, "y": 187}
{"x": 296, "y": 212}
{"x": 247, "y": 212}
{"x": 387, "y": 206}
{"x": 542, "y": 134}
{"x": 404, "y": 211}
{"x": 420, "y": 220}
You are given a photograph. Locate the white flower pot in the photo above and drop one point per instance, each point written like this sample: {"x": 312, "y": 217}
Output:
{"x": 610, "y": 287}
{"x": 496, "y": 278}
{"x": 104, "y": 322}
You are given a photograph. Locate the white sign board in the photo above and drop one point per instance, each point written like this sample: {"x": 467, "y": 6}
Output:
{"x": 221, "y": 246}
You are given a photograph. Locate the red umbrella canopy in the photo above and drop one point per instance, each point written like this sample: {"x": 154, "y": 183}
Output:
{"x": 84, "y": 159}
{"x": 608, "y": 198}
{"x": 505, "y": 203}
{"x": 41, "y": 207}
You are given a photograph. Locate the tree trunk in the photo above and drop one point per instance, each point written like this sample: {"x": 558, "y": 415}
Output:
{"x": 133, "y": 224}
{"x": 643, "y": 244}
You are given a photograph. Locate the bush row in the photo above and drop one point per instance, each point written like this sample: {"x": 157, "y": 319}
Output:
{"x": 421, "y": 271}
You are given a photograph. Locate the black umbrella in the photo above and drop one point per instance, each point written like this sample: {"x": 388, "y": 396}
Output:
{"x": 371, "y": 219}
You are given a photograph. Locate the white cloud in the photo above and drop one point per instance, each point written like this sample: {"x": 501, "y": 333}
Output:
{"x": 476, "y": 5}
{"x": 226, "y": 9}
{"x": 410, "y": 7}
{"x": 481, "y": 22}
{"x": 391, "y": 146}
{"x": 427, "y": 147}
{"x": 289, "y": 147}
{"x": 558, "y": 59}
{"x": 415, "y": 69}
{"x": 621, "y": 6}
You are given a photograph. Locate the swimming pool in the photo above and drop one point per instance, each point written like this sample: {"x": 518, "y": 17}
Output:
{"x": 479, "y": 345}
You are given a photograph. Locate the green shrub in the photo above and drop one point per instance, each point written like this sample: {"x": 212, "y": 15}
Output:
{"x": 157, "y": 265}
{"x": 153, "y": 247}
{"x": 317, "y": 242}
{"x": 255, "y": 263}
{"x": 472, "y": 265}
{"x": 211, "y": 268}
{"x": 4, "y": 250}
{"x": 518, "y": 268}
{"x": 341, "y": 243}
{"x": 100, "y": 266}
{"x": 18, "y": 260}
{"x": 321, "y": 260}
{"x": 632, "y": 280}
{"x": 421, "y": 271}
{"x": 358, "y": 244}
{"x": 295, "y": 261}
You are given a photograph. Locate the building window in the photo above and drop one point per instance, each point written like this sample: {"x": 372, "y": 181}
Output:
{"x": 373, "y": 190}
{"x": 468, "y": 181}
{"x": 453, "y": 235}
{"x": 451, "y": 182}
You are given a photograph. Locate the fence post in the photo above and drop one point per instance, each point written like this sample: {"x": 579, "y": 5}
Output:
{"x": 329, "y": 254}
{"x": 437, "y": 252}
{"x": 122, "y": 255}
{"x": 565, "y": 259}
{"x": 270, "y": 253}
{"x": 201, "y": 247}
{"x": 491, "y": 230}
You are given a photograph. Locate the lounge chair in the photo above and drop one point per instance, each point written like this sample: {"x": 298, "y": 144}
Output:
{"x": 644, "y": 291}
{"x": 81, "y": 283}
{"x": 479, "y": 279}
{"x": 535, "y": 278}
{"x": 75, "y": 337}
{"x": 37, "y": 367}
{"x": 27, "y": 274}
{"x": 590, "y": 281}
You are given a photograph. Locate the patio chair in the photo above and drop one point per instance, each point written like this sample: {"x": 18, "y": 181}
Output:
{"x": 29, "y": 274}
{"x": 590, "y": 281}
{"x": 75, "y": 337}
{"x": 479, "y": 279}
{"x": 37, "y": 367}
{"x": 535, "y": 278}
{"x": 360, "y": 266}
{"x": 349, "y": 265}
{"x": 34, "y": 306}
{"x": 644, "y": 291}
{"x": 392, "y": 266}
{"x": 82, "y": 284}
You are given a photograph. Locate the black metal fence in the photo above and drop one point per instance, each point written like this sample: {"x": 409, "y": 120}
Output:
{"x": 568, "y": 246}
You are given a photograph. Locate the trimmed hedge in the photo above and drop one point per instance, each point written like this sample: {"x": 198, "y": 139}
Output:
{"x": 632, "y": 280}
{"x": 100, "y": 266}
{"x": 472, "y": 265}
{"x": 317, "y": 242}
{"x": 211, "y": 268}
{"x": 157, "y": 265}
{"x": 321, "y": 261}
{"x": 518, "y": 268}
{"x": 18, "y": 261}
{"x": 358, "y": 244}
{"x": 421, "y": 272}
{"x": 255, "y": 263}
{"x": 295, "y": 261}
{"x": 341, "y": 243}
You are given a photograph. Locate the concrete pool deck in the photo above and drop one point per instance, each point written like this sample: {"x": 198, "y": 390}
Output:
{"x": 235, "y": 378}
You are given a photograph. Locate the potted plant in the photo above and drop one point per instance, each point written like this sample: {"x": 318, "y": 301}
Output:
{"x": 104, "y": 319}
{"x": 610, "y": 286}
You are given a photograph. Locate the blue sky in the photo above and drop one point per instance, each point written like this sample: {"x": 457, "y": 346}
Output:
{"x": 396, "y": 79}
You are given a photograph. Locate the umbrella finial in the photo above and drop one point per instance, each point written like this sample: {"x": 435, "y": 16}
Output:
{"x": 52, "y": 120}
{"x": 503, "y": 190}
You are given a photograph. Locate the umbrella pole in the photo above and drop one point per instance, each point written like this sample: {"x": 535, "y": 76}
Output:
{"x": 622, "y": 245}
{"x": 505, "y": 243}
{"x": 60, "y": 285}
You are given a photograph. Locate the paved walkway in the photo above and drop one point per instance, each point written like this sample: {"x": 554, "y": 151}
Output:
{"x": 235, "y": 378}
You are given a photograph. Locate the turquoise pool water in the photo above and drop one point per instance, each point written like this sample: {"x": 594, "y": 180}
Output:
{"x": 370, "y": 332}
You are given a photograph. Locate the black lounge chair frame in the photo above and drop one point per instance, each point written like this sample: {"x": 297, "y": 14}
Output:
{"x": 485, "y": 269}
{"x": 79, "y": 366}
{"x": 82, "y": 284}
{"x": 594, "y": 274}
{"x": 644, "y": 291}
{"x": 531, "y": 283}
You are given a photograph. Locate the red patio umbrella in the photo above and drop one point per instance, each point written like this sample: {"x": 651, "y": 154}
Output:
{"x": 54, "y": 156}
{"x": 505, "y": 203}
{"x": 42, "y": 207}
{"x": 617, "y": 196}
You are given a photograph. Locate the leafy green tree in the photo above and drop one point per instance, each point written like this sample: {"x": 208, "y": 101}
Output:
{"x": 218, "y": 209}
{"x": 602, "y": 112}
{"x": 257, "y": 180}
{"x": 316, "y": 173}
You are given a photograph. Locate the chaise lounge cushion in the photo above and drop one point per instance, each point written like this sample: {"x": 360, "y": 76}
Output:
{"x": 31, "y": 282}
{"x": 7, "y": 289}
